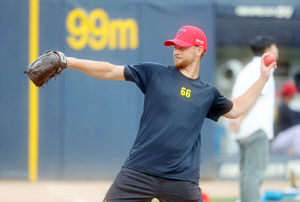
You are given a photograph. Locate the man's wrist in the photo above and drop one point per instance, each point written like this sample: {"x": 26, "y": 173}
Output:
{"x": 70, "y": 61}
{"x": 262, "y": 80}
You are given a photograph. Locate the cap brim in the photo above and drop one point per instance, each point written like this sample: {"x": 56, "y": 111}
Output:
{"x": 177, "y": 42}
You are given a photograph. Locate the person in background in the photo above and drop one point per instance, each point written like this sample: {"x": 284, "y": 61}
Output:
{"x": 254, "y": 129}
{"x": 287, "y": 124}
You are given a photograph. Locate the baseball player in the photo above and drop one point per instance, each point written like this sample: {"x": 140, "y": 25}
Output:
{"x": 164, "y": 161}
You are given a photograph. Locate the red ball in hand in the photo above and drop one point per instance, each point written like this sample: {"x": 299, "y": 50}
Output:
{"x": 269, "y": 59}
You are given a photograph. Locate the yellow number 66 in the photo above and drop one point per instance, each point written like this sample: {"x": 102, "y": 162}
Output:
{"x": 185, "y": 92}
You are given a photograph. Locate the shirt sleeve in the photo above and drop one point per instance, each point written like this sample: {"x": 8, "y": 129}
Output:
{"x": 220, "y": 106}
{"x": 141, "y": 74}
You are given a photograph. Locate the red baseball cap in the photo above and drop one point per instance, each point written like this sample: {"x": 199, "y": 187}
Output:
{"x": 289, "y": 88}
{"x": 188, "y": 36}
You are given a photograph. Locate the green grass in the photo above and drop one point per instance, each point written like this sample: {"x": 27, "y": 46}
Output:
{"x": 213, "y": 200}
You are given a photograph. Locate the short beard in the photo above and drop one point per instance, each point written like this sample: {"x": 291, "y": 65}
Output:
{"x": 181, "y": 65}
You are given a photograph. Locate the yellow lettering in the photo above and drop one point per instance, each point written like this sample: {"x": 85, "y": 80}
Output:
{"x": 183, "y": 89}
{"x": 128, "y": 31}
{"x": 98, "y": 31}
{"x": 188, "y": 93}
{"x": 185, "y": 92}
{"x": 79, "y": 30}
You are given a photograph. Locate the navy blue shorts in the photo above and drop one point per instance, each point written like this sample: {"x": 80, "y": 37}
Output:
{"x": 135, "y": 186}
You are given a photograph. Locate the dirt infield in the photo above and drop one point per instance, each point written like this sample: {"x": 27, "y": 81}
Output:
{"x": 94, "y": 191}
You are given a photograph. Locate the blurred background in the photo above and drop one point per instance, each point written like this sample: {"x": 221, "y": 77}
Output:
{"x": 87, "y": 126}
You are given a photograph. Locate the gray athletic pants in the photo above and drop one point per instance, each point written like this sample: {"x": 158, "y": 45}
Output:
{"x": 254, "y": 156}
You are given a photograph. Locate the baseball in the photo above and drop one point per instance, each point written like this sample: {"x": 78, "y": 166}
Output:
{"x": 269, "y": 59}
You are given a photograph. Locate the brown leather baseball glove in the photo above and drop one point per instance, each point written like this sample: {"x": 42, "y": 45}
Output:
{"x": 48, "y": 65}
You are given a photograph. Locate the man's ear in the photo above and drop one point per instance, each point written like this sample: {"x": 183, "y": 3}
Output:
{"x": 200, "y": 50}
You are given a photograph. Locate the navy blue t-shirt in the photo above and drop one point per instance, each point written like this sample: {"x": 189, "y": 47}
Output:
{"x": 169, "y": 140}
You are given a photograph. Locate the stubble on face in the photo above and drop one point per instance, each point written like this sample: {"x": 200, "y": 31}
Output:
{"x": 183, "y": 56}
{"x": 181, "y": 63}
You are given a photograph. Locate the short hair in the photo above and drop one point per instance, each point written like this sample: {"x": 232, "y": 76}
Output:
{"x": 260, "y": 43}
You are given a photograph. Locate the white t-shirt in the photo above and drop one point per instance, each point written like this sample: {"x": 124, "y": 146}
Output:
{"x": 261, "y": 114}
